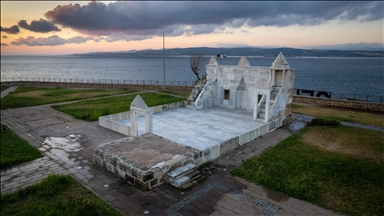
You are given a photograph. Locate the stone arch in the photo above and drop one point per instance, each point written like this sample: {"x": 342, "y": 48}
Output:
{"x": 138, "y": 106}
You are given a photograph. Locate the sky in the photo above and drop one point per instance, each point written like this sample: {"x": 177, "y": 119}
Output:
{"x": 67, "y": 27}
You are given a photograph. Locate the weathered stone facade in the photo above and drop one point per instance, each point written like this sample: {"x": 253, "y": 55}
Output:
{"x": 267, "y": 91}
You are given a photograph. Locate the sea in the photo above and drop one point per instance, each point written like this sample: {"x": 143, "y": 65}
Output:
{"x": 358, "y": 78}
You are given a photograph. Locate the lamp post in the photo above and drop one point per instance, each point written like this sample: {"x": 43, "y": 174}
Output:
{"x": 164, "y": 60}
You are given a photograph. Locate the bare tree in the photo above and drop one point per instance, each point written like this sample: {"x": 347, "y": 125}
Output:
{"x": 196, "y": 62}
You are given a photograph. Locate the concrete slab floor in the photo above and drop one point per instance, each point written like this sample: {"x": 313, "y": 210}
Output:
{"x": 146, "y": 151}
{"x": 199, "y": 129}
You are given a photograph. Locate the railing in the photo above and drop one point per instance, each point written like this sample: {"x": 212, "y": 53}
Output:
{"x": 97, "y": 81}
{"x": 337, "y": 95}
{"x": 259, "y": 104}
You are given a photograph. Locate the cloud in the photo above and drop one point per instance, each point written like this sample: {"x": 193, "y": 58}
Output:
{"x": 11, "y": 30}
{"x": 41, "y": 26}
{"x": 49, "y": 41}
{"x": 4, "y": 44}
{"x": 138, "y": 20}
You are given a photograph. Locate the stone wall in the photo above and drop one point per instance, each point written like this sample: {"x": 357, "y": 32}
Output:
{"x": 360, "y": 105}
{"x": 97, "y": 85}
{"x": 112, "y": 121}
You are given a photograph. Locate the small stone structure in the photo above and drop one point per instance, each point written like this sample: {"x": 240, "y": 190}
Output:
{"x": 266, "y": 91}
{"x": 138, "y": 106}
{"x": 143, "y": 161}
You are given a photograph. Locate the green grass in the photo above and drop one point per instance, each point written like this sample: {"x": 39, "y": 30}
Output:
{"x": 91, "y": 110}
{"x": 15, "y": 150}
{"x": 361, "y": 117}
{"x": 31, "y": 96}
{"x": 55, "y": 195}
{"x": 340, "y": 168}
{"x": 180, "y": 93}
{"x": 3, "y": 88}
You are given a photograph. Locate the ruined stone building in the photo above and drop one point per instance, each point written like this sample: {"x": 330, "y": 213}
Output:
{"x": 265, "y": 91}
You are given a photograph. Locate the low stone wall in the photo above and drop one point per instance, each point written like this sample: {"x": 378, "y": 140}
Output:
{"x": 360, "y": 105}
{"x": 97, "y": 85}
{"x": 111, "y": 121}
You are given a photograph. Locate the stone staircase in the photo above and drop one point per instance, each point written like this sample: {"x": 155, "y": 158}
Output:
{"x": 184, "y": 177}
{"x": 261, "y": 115}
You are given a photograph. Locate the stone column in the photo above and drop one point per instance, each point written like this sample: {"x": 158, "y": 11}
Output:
{"x": 255, "y": 107}
{"x": 148, "y": 123}
{"x": 134, "y": 131}
{"x": 267, "y": 104}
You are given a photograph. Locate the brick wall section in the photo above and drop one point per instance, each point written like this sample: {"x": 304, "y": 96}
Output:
{"x": 97, "y": 85}
{"x": 360, "y": 105}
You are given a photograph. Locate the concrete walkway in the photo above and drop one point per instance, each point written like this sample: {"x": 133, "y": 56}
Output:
{"x": 219, "y": 194}
{"x": 8, "y": 90}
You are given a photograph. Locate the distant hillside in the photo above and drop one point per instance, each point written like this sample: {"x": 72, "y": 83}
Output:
{"x": 246, "y": 51}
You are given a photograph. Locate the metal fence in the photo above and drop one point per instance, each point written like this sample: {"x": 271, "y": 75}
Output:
{"x": 339, "y": 95}
{"x": 98, "y": 81}
{"x": 305, "y": 92}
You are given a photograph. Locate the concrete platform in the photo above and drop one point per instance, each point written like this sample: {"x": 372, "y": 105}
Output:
{"x": 199, "y": 129}
{"x": 143, "y": 161}
{"x": 200, "y": 136}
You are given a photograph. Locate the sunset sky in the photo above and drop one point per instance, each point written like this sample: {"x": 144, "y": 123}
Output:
{"x": 66, "y": 27}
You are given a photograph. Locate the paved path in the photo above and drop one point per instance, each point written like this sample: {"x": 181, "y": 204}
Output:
{"x": 8, "y": 90}
{"x": 219, "y": 194}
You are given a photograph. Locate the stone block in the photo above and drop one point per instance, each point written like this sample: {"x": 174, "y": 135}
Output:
{"x": 229, "y": 145}
{"x": 130, "y": 179}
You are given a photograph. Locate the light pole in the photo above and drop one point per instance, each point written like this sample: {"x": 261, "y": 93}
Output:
{"x": 164, "y": 61}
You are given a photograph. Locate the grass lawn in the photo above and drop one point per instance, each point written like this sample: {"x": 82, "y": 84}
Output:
{"x": 340, "y": 168}
{"x": 31, "y": 96}
{"x": 181, "y": 93}
{"x": 15, "y": 150}
{"x": 341, "y": 114}
{"x": 91, "y": 110}
{"x": 3, "y": 88}
{"x": 55, "y": 195}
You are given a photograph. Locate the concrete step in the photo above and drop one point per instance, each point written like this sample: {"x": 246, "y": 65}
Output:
{"x": 180, "y": 171}
{"x": 276, "y": 89}
{"x": 261, "y": 115}
{"x": 193, "y": 182}
{"x": 187, "y": 178}
{"x": 190, "y": 107}
{"x": 262, "y": 110}
{"x": 259, "y": 119}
